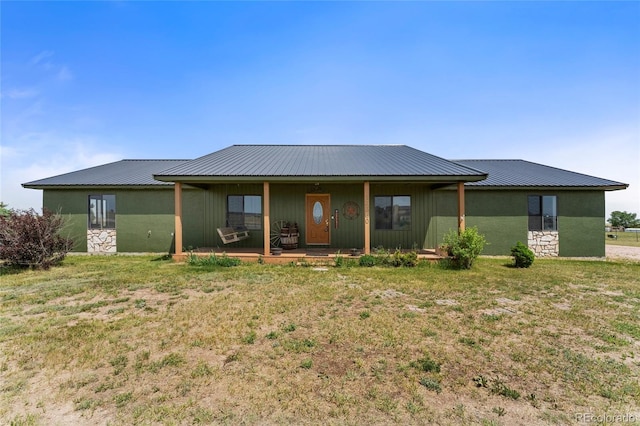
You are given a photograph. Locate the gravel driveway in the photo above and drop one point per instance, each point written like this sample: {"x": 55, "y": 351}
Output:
{"x": 622, "y": 252}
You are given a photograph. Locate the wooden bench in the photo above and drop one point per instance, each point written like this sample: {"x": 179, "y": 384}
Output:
{"x": 230, "y": 235}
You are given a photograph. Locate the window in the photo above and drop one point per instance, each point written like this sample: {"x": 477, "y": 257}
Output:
{"x": 102, "y": 211}
{"x": 244, "y": 211}
{"x": 393, "y": 212}
{"x": 543, "y": 213}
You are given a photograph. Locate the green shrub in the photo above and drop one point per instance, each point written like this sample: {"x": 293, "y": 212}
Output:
{"x": 382, "y": 257}
{"x": 409, "y": 259}
{"x": 367, "y": 260}
{"x": 426, "y": 364}
{"x": 463, "y": 247}
{"x": 250, "y": 338}
{"x": 212, "y": 260}
{"x": 432, "y": 385}
{"x": 522, "y": 255}
{"x": 500, "y": 388}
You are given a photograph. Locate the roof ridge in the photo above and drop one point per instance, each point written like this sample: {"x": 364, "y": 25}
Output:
{"x": 317, "y": 144}
{"x": 155, "y": 159}
{"x": 489, "y": 159}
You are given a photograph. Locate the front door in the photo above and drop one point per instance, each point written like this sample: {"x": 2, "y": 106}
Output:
{"x": 318, "y": 219}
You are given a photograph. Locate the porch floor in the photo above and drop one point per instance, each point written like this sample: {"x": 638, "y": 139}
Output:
{"x": 307, "y": 254}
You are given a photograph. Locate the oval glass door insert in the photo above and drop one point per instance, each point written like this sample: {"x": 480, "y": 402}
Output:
{"x": 317, "y": 212}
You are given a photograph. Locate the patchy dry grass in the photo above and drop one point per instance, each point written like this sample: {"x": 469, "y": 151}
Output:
{"x": 123, "y": 340}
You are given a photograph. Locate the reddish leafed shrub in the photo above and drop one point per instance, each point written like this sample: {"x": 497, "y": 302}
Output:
{"x": 30, "y": 239}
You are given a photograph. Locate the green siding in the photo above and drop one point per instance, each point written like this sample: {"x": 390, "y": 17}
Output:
{"x": 194, "y": 232}
{"x": 581, "y": 219}
{"x": 144, "y": 221}
{"x": 443, "y": 217}
{"x": 73, "y": 205}
{"x": 288, "y": 204}
{"x": 501, "y": 215}
{"x": 421, "y": 212}
{"x": 137, "y": 213}
{"x": 214, "y": 215}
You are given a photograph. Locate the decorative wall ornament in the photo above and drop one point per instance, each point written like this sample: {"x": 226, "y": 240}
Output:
{"x": 351, "y": 210}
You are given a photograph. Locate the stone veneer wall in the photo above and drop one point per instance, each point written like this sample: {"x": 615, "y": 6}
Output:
{"x": 544, "y": 243}
{"x": 101, "y": 241}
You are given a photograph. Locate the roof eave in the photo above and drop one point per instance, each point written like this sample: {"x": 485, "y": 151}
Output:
{"x": 101, "y": 186}
{"x": 549, "y": 187}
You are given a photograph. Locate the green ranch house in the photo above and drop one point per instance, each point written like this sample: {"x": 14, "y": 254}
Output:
{"x": 318, "y": 200}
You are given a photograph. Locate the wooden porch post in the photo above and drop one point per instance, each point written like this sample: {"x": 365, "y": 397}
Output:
{"x": 178, "y": 217}
{"x": 461, "y": 213}
{"x": 367, "y": 220}
{"x": 266, "y": 225}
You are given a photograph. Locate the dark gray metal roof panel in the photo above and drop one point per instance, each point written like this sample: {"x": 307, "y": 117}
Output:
{"x": 319, "y": 160}
{"x": 521, "y": 173}
{"x": 120, "y": 173}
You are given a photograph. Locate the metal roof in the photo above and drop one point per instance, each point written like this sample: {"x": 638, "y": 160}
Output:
{"x": 120, "y": 173}
{"x": 521, "y": 173}
{"x": 300, "y": 161}
{"x": 320, "y": 161}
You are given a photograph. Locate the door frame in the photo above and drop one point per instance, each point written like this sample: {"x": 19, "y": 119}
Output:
{"x": 326, "y": 213}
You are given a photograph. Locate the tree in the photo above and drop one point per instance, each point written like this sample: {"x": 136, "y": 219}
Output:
{"x": 624, "y": 220}
{"x": 4, "y": 211}
{"x": 30, "y": 239}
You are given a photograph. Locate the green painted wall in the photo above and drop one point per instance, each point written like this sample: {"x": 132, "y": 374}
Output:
{"x": 73, "y": 205}
{"x": 421, "y": 213}
{"x": 288, "y": 204}
{"x": 581, "y": 219}
{"x": 144, "y": 221}
{"x": 213, "y": 207}
{"x": 137, "y": 213}
{"x": 500, "y": 215}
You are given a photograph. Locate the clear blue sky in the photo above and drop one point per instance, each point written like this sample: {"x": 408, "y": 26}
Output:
{"x": 85, "y": 83}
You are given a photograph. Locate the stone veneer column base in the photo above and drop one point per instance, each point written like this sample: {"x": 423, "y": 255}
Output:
{"x": 544, "y": 243}
{"x": 101, "y": 241}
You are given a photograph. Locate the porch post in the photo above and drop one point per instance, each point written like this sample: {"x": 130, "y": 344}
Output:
{"x": 266, "y": 225}
{"x": 461, "y": 213}
{"x": 367, "y": 220}
{"x": 178, "y": 217}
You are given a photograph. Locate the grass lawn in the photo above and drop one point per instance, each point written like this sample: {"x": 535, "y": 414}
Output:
{"x": 623, "y": 238}
{"x": 140, "y": 340}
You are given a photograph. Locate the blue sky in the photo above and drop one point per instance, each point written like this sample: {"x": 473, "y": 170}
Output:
{"x": 85, "y": 83}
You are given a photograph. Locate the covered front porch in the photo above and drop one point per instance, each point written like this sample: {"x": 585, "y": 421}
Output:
{"x": 343, "y": 231}
{"x": 364, "y": 196}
